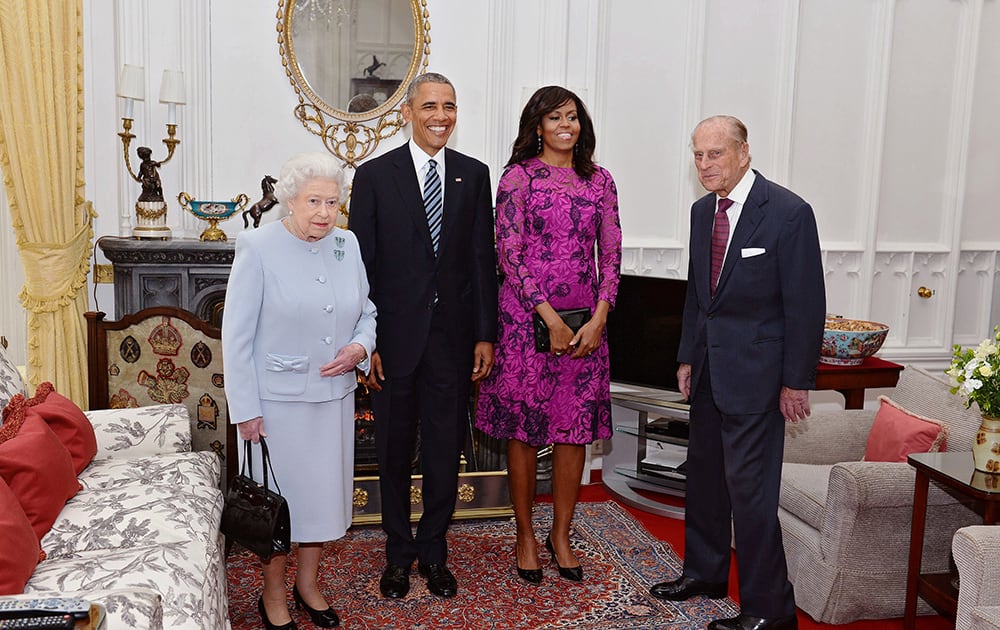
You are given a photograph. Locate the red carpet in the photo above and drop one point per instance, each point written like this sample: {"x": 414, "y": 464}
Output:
{"x": 671, "y": 531}
{"x": 619, "y": 557}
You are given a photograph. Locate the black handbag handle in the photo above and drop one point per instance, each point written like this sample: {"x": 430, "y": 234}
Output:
{"x": 248, "y": 462}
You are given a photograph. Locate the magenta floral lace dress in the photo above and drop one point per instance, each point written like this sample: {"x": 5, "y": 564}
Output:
{"x": 548, "y": 223}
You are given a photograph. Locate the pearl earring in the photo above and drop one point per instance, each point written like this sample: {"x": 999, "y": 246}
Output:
{"x": 539, "y": 144}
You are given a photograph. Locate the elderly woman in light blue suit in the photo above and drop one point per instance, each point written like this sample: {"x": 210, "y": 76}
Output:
{"x": 296, "y": 325}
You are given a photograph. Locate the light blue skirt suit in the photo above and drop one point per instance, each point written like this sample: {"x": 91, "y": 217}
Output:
{"x": 291, "y": 305}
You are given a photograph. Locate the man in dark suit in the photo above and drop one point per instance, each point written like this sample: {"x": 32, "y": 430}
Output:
{"x": 750, "y": 341}
{"x": 432, "y": 270}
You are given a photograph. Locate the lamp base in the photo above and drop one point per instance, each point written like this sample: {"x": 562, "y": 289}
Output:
{"x": 151, "y": 220}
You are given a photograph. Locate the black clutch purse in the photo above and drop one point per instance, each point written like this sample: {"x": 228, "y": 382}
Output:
{"x": 575, "y": 318}
{"x": 254, "y": 515}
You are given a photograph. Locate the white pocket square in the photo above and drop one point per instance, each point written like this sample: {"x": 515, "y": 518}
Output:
{"x": 750, "y": 252}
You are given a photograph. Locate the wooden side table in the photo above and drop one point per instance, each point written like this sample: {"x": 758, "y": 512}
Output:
{"x": 852, "y": 380}
{"x": 957, "y": 472}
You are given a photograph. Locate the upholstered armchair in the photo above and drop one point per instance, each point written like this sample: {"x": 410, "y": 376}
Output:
{"x": 163, "y": 355}
{"x": 977, "y": 556}
{"x": 846, "y": 522}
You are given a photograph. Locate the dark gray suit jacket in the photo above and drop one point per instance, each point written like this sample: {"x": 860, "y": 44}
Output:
{"x": 388, "y": 217}
{"x": 764, "y": 327}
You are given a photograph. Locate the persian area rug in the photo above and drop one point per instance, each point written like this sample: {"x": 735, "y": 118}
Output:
{"x": 620, "y": 560}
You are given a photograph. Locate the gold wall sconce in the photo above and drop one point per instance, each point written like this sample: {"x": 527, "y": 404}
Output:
{"x": 150, "y": 208}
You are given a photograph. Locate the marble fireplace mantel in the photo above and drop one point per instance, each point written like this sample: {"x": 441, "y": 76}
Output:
{"x": 185, "y": 273}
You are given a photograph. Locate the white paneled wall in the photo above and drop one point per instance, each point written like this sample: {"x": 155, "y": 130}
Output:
{"x": 881, "y": 113}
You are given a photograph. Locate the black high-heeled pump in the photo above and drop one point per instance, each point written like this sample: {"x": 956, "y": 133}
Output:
{"x": 570, "y": 573}
{"x": 531, "y": 576}
{"x": 267, "y": 622}
{"x": 323, "y": 618}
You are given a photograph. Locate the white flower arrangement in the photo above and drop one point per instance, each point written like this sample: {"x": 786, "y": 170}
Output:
{"x": 975, "y": 374}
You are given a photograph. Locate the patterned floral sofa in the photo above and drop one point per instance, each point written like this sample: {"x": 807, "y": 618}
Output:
{"x": 142, "y": 536}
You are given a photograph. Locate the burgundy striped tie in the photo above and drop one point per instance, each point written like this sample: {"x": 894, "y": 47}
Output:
{"x": 720, "y": 236}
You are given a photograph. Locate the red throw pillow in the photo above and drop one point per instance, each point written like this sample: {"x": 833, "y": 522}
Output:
{"x": 19, "y": 543}
{"x": 897, "y": 432}
{"x": 38, "y": 469}
{"x": 68, "y": 422}
{"x": 13, "y": 416}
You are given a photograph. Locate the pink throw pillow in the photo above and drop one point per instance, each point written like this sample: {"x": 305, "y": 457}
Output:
{"x": 897, "y": 432}
{"x": 68, "y": 422}
{"x": 38, "y": 469}
{"x": 19, "y": 544}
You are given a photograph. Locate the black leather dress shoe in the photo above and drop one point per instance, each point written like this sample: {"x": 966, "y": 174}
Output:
{"x": 440, "y": 581}
{"x": 746, "y": 622}
{"x": 395, "y": 582}
{"x": 685, "y": 588}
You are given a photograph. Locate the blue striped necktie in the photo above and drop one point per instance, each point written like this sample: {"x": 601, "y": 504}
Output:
{"x": 433, "y": 202}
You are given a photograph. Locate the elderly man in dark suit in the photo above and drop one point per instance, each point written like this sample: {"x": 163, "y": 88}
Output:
{"x": 750, "y": 341}
{"x": 424, "y": 220}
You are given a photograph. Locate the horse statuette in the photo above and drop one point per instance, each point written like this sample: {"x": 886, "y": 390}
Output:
{"x": 267, "y": 201}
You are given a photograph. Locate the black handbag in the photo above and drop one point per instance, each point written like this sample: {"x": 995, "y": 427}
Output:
{"x": 575, "y": 318}
{"x": 254, "y": 515}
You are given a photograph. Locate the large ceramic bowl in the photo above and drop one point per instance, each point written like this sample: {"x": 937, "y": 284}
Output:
{"x": 851, "y": 341}
{"x": 213, "y": 212}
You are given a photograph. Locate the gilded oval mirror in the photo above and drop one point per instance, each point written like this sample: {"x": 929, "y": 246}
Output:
{"x": 351, "y": 60}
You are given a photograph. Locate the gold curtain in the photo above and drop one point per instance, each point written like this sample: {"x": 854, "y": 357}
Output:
{"x": 41, "y": 154}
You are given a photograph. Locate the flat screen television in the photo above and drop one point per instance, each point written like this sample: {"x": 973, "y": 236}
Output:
{"x": 644, "y": 331}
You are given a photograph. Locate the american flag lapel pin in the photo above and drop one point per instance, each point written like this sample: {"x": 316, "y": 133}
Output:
{"x": 458, "y": 179}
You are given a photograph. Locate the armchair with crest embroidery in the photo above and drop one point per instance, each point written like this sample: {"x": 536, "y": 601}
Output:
{"x": 163, "y": 355}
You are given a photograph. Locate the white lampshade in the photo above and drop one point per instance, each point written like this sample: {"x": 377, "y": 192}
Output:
{"x": 132, "y": 83}
{"x": 172, "y": 87}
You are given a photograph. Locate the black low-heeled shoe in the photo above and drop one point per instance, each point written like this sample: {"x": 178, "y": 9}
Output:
{"x": 323, "y": 618}
{"x": 570, "y": 573}
{"x": 267, "y": 622}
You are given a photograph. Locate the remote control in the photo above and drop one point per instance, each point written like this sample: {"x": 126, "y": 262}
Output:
{"x": 41, "y": 622}
{"x": 76, "y": 606}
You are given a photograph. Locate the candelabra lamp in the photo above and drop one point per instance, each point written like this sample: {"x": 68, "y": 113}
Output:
{"x": 150, "y": 208}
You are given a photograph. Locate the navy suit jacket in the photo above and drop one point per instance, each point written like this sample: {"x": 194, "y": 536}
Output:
{"x": 764, "y": 327}
{"x": 388, "y": 217}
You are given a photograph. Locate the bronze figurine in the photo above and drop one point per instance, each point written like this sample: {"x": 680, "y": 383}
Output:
{"x": 267, "y": 201}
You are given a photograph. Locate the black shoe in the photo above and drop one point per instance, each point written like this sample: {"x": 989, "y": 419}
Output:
{"x": 685, "y": 588}
{"x": 531, "y": 576}
{"x": 323, "y": 618}
{"x": 440, "y": 581}
{"x": 395, "y": 582}
{"x": 746, "y": 622}
{"x": 569, "y": 573}
{"x": 267, "y": 622}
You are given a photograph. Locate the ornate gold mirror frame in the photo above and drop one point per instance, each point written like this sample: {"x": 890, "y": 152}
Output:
{"x": 345, "y": 134}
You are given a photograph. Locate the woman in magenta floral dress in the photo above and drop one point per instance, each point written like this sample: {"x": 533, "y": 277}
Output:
{"x": 554, "y": 206}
